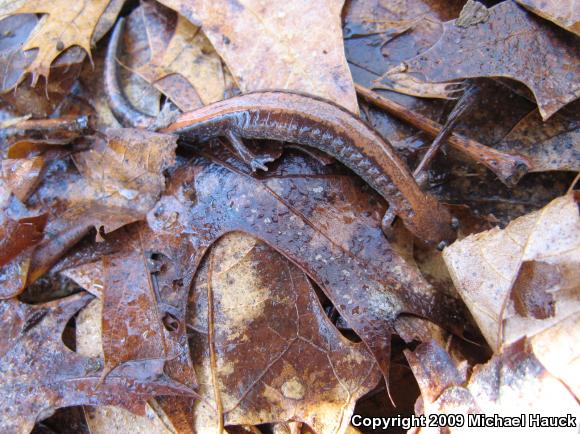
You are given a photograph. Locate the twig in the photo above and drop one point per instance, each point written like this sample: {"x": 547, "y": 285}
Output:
{"x": 509, "y": 168}
{"x": 73, "y": 124}
{"x": 463, "y": 105}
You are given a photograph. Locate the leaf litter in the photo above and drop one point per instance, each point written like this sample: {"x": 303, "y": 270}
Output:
{"x": 274, "y": 298}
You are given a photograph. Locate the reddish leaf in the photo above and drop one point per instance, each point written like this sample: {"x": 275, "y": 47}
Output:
{"x": 39, "y": 374}
{"x": 17, "y": 240}
{"x": 132, "y": 327}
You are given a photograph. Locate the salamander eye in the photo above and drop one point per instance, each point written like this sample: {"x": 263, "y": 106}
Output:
{"x": 454, "y": 223}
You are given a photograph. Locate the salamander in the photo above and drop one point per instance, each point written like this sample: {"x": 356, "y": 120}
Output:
{"x": 309, "y": 121}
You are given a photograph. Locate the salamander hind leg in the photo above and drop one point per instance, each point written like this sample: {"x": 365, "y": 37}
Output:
{"x": 254, "y": 161}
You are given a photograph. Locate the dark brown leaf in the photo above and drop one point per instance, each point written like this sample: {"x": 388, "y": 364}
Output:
{"x": 39, "y": 374}
{"x": 17, "y": 241}
{"x": 513, "y": 44}
{"x": 369, "y": 284}
{"x": 264, "y": 348}
{"x": 550, "y": 145}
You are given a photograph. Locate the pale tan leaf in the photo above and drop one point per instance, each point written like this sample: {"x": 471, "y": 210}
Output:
{"x": 187, "y": 53}
{"x": 293, "y": 45}
{"x": 65, "y": 24}
{"x": 564, "y": 13}
{"x": 524, "y": 278}
{"x": 512, "y": 386}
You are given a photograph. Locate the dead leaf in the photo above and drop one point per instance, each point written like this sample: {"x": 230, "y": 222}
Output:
{"x": 263, "y": 347}
{"x": 550, "y": 145}
{"x": 16, "y": 236}
{"x": 40, "y": 374}
{"x": 12, "y": 57}
{"x": 528, "y": 55}
{"x": 17, "y": 240}
{"x": 262, "y": 51}
{"x": 512, "y": 384}
{"x": 22, "y": 175}
{"x": 131, "y": 330}
{"x": 564, "y": 13}
{"x": 180, "y": 48}
{"x": 556, "y": 349}
{"x": 121, "y": 179}
{"x": 20, "y": 92}
{"x": 342, "y": 261}
{"x": 473, "y": 13}
{"x": 523, "y": 279}
{"x": 64, "y": 25}
{"x": 108, "y": 419}
{"x": 127, "y": 167}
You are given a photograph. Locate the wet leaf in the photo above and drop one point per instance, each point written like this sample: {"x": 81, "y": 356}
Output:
{"x": 17, "y": 241}
{"x": 121, "y": 179}
{"x": 528, "y": 55}
{"x": 18, "y": 235}
{"x": 369, "y": 298}
{"x": 22, "y": 175}
{"x": 39, "y": 374}
{"x": 12, "y": 57}
{"x": 109, "y": 419}
{"x": 25, "y": 96}
{"x": 262, "y": 51}
{"x": 132, "y": 330}
{"x": 550, "y": 145}
{"x": 524, "y": 278}
{"x": 561, "y": 12}
{"x": 263, "y": 346}
{"x": 127, "y": 168}
{"x": 338, "y": 252}
{"x": 503, "y": 386}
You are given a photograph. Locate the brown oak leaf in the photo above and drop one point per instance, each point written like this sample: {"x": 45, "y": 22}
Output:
{"x": 39, "y": 374}
{"x": 21, "y": 175}
{"x": 263, "y": 347}
{"x": 265, "y": 46}
{"x": 513, "y": 44}
{"x": 64, "y": 25}
{"x": 120, "y": 179}
{"x": 180, "y": 51}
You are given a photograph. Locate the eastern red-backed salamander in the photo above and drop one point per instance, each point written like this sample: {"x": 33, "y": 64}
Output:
{"x": 309, "y": 121}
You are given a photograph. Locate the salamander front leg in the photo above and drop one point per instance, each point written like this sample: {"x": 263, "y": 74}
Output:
{"x": 254, "y": 161}
{"x": 387, "y": 222}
